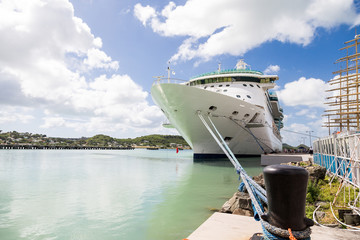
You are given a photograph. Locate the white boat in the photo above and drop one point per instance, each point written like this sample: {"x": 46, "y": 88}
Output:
{"x": 239, "y": 103}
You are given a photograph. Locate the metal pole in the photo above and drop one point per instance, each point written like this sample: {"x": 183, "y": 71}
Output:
{"x": 310, "y": 137}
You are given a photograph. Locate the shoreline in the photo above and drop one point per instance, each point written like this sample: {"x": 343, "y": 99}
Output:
{"x": 58, "y": 147}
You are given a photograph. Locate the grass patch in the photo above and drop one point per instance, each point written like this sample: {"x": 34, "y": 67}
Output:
{"x": 324, "y": 193}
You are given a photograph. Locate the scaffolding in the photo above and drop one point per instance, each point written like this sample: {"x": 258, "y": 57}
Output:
{"x": 339, "y": 153}
{"x": 343, "y": 111}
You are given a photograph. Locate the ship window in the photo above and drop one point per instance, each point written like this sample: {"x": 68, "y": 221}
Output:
{"x": 205, "y": 87}
{"x": 246, "y": 115}
{"x": 244, "y": 85}
{"x": 218, "y": 90}
{"x": 251, "y": 85}
{"x": 238, "y": 96}
{"x": 227, "y": 139}
{"x": 228, "y": 85}
{"x": 220, "y": 85}
{"x": 246, "y": 79}
{"x": 225, "y": 90}
{"x": 212, "y": 85}
{"x": 265, "y": 80}
{"x": 248, "y": 96}
{"x": 212, "y": 108}
{"x": 258, "y": 86}
{"x": 235, "y": 113}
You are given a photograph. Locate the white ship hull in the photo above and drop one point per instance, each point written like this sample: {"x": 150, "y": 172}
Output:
{"x": 246, "y": 124}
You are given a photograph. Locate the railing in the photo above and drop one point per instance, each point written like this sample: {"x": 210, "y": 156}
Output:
{"x": 228, "y": 71}
{"x": 340, "y": 155}
{"x": 160, "y": 80}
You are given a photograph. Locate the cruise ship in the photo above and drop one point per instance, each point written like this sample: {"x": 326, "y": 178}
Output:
{"x": 238, "y": 102}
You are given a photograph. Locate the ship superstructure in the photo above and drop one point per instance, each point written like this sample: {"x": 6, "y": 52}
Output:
{"x": 240, "y": 103}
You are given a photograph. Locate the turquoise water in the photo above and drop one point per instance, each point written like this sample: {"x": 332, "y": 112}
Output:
{"x": 126, "y": 194}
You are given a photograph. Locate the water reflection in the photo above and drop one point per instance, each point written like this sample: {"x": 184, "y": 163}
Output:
{"x": 139, "y": 194}
{"x": 207, "y": 187}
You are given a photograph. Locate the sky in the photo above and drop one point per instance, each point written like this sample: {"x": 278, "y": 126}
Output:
{"x": 85, "y": 67}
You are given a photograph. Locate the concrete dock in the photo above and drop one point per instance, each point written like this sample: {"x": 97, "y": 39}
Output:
{"x": 277, "y": 158}
{"x": 235, "y": 227}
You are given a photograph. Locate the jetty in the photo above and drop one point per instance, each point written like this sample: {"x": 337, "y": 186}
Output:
{"x": 236, "y": 227}
{"x": 278, "y": 158}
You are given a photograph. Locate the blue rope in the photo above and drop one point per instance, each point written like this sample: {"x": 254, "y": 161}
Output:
{"x": 299, "y": 235}
{"x": 256, "y": 192}
{"x": 256, "y": 214}
{"x": 241, "y": 187}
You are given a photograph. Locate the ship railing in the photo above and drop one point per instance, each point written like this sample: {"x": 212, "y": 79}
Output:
{"x": 160, "y": 80}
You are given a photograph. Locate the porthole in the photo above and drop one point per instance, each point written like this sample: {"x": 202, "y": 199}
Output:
{"x": 224, "y": 90}
{"x": 258, "y": 86}
{"x": 205, "y": 87}
{"x": 212, "y": 108}
{"x": 238, "y": 96}
{"x": 212, "y": 86}
{"x": 251, "y": 85}
{"x": 244, "y": 85}
{"x": 220, "y": 85}
{"x": 235, "y": 113}
{"x": 228, "y": 85}
{"x": 227, "y": 139}
{"x": 246, "y": 115}
{"x": 248, "y": 96}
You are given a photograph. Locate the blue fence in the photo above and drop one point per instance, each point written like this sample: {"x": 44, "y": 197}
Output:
{"x": 336, "y": 165}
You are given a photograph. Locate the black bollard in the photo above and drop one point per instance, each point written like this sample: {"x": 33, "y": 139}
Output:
{"x": 286, "y": 188}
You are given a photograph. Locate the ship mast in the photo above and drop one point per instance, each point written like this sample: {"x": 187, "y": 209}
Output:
{"x": 343, "y": 111}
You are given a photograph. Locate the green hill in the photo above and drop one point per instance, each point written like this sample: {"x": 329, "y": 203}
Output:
{"x": 99, "y": 140}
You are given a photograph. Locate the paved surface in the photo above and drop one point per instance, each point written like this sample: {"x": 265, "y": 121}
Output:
{"x": 222, "y": 226}
{"x": 277, "y": 158}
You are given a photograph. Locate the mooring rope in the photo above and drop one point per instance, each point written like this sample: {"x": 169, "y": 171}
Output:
{"x": 258, "y": 141}
{"x": 255, "y": 191}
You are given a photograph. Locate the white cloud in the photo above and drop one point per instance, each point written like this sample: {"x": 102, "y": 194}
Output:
{"x": 98, "y": 59}
{"x": 47, "y": 60}
{"x": 302, "y": 112}
{"x": 296, "y": 132}
{"x": 235, "y": 27}
{"x": 11, "y": 114}
{"x": 144, "y": 13}
{"x": 304, "y": 92}
{"x": 272, "y": 69}
{"x": 50, "y": 122}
